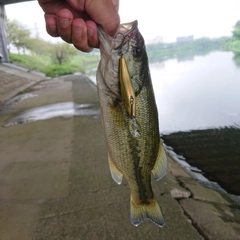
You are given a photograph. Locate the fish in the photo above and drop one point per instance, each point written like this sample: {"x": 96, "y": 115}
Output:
{"x": 130, "y": 119}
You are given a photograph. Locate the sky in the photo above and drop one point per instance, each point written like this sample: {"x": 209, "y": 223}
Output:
{"x": 166, "y": 18}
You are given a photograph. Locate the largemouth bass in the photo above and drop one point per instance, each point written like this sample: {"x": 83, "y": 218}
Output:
{"x": 130, "y": 119}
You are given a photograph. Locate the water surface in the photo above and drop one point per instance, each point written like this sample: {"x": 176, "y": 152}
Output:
{"x": 199, "y": 94}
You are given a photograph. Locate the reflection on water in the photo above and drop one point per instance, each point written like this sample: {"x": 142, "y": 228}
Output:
{"x": 198, "y": 103}
{"x": 19, "y": 98}
{"x": 198, "y": 94}
{"x": 184, "y": 59}
{"x": 66, "y": 110}
{"x": 236, "y": 59}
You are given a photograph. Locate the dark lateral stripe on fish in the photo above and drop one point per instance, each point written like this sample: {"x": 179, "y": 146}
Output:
{"x": 135, "y": 152}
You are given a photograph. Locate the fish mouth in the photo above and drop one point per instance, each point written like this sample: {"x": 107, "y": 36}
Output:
{"x": 126, "y": 28}
{"x": 125, "y": 33}
{"x": 119, "y": 42}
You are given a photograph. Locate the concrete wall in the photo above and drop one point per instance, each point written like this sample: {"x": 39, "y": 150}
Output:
{"x": 3, "y": 36}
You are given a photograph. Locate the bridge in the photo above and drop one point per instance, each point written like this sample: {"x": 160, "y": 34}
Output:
{"x": 3, "y": 38}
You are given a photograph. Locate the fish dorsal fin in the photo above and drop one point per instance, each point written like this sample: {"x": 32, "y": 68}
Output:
{"x": 127, "y": 93}
{"x": 116, "y": 174}
{"x": 160, "y": 167}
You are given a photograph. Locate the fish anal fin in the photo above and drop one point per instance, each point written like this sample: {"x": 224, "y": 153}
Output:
{"x": 116, "y": 174}
{"x": 140, "y": 212}
{"x": 160, "y": 167}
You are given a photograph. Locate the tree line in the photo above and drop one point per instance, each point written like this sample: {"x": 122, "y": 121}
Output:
{"x": 19, "y": 37}
{"x": 201, "y": 46}
{"x": 184, "y": 49}
{"x": 233, "y": 44}
{"x": 53, "y": 59}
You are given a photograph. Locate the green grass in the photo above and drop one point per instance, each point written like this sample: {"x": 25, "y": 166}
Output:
{"x": 55, "y": 70}
{"x": 80, "y": 63}
{"x": 32, "y": 62}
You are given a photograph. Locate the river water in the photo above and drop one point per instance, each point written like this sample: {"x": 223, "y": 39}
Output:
{"x": 198, "y": 94}
{"x": 199, "y": 112}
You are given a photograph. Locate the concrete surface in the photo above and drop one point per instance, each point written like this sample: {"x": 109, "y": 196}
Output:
{"x": 55, "y": 182}
{"x": 13, "y": 81}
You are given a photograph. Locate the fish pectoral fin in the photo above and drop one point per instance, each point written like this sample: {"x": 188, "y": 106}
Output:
{"x": 152, "y": 211}
{"x": 160, "y": 167}
{"x": 116, "y": 174}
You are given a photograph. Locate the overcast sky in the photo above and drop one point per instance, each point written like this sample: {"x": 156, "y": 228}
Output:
{"x": 168, "y": 18}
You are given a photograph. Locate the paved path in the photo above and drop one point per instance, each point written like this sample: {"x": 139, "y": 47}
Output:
{"x": 55, "y": 181}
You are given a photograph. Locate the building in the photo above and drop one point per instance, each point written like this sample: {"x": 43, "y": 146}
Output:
{"x": 158, "y": 39}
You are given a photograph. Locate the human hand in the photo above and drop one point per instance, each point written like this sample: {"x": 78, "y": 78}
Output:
{"x": 75, "y": 21}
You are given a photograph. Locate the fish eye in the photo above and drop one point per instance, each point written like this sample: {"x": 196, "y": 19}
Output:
{"x": 137, "y": 52}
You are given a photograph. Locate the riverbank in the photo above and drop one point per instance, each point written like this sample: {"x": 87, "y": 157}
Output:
{"x": 57, "y": 185}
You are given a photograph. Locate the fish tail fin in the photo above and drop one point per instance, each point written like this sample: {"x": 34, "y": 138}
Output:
{"x": 152, "y": 211}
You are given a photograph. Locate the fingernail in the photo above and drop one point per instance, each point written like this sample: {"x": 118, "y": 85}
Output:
{"x": 52, "y": 28}
{"x": 90, "y": 32}
{"x": 64, "y": 22}
{"x": 78, "y": 32}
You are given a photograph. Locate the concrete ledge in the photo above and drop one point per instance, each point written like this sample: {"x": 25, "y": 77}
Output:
{"x": 15, "y": 80}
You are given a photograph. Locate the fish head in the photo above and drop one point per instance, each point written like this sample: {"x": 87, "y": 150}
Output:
{"x": 134, "y": 52}
{"x": 128, "y": 44}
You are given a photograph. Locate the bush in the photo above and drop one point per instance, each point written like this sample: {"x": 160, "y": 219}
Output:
{"x": 55, "y": 70}
{"x": 44, "y": 64}
{"x": 32, "y": 62}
